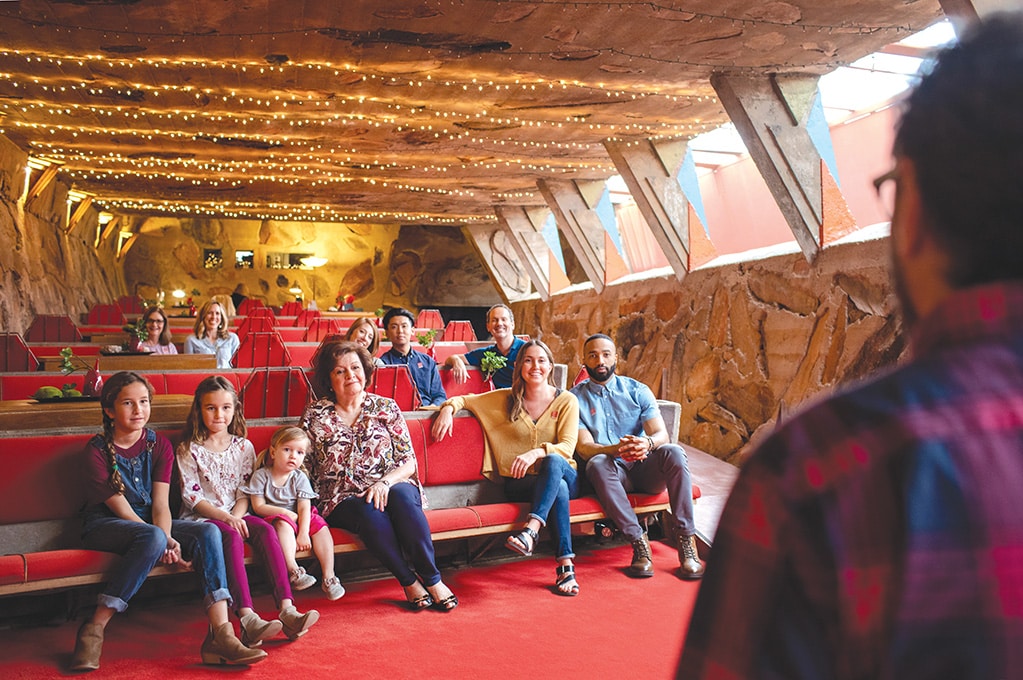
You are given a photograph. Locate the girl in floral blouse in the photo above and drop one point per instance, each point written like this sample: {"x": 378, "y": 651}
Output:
{"x": 364, "y": 471}
{"x": 216, "y": 461}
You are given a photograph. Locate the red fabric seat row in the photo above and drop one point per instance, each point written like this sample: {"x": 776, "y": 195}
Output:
{"x": 106, "y": 314}
{"x": 53, "y": 328}
{"x": 54, "y": 559}
{"x": 15, "y": 355}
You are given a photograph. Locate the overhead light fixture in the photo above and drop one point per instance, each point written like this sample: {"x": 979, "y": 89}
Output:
{"x": 178, "y": 294}
{"x": 35, "y": 163}
{"x": 313, "y": 261}
{"x": 295, "y": 288}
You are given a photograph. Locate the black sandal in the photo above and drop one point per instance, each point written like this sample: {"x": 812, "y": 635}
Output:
{"x": 418, "y": 604}
{"x": 565, "y": 574}
{"x": 523, "y": 547}
{"x": 447, "y": 604}
{"x": 422, "y": 602}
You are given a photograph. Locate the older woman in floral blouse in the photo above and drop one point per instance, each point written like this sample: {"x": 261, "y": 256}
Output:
{"x": 364, "y": 470}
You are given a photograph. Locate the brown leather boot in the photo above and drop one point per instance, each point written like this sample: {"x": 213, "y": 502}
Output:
{"x": 88, "y": 647}
{"x": 222, "y": 647}
{"x": 642, "y": 563}
{"x": 690, "y": 566}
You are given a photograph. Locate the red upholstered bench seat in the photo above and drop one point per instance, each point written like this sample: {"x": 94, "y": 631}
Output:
{"x": 42, "y": 494}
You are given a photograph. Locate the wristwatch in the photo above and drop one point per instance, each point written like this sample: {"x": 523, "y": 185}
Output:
{"x": 385, "y": 482}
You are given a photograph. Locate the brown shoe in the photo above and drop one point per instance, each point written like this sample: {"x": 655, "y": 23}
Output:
{"x": 690, "y": 566}
{"x": 88, "y": 647}
{"x": 642, "y": 564}
{"x": 222, "y": 647}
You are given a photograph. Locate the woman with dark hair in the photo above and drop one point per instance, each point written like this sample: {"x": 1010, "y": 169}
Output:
{"x": 531, "y": 430}
{"x": 159, "y": 339}
{"x": 366, "y": 333}
{"x": 211, "y": 336}
{"x": 364, "y": 471}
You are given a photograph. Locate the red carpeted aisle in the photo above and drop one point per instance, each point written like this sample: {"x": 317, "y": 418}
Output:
{"x": 509, "y": 625}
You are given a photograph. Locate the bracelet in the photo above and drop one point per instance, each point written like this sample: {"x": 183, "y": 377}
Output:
{"x": 650, "y": 442}
{"x": 385, "y": 482}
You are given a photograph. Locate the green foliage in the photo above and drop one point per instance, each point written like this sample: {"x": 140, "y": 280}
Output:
{"x": 426, "y": 337}
{"x": 491, "y": 363}
{"x": 69, "y": 363}
{"x": 138, "y": 329}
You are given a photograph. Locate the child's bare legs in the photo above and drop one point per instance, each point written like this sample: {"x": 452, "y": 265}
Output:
{"x": 286, "y": 535}
{"x": 323, "y": 548}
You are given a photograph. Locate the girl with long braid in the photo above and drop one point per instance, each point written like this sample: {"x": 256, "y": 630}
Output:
{"x": 128, "y": 473}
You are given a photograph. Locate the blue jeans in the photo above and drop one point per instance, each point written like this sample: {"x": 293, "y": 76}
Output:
{"x": 551, "y": 488}
{"x": 142, "y": 545}
{"x": 399, "y": 526}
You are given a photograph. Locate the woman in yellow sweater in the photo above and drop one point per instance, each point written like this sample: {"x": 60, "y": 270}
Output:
{"x": 531, "y": 431}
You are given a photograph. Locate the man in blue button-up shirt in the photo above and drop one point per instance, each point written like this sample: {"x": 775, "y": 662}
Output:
{"x": 627, "y": 448}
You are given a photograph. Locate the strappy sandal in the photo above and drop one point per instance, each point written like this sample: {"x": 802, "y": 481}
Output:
{"x": 566, "y": 574}
{"x": 526, "y": 542}
{"x": 422, "y": 602}
{"x": 447, "y": 604}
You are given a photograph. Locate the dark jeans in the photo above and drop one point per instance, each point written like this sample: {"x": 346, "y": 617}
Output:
{"x": 551, "y": 488}
{"x": 665, "y": 467}
{"x": 401, "y": 526}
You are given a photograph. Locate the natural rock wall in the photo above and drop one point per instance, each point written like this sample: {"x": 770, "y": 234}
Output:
{"x": 737, "y": 344}
{"x": 43, "y": 269}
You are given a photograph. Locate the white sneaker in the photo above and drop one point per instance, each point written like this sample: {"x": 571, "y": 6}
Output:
{"x": 332, "y": 586}
{"x": 300, "y": 580}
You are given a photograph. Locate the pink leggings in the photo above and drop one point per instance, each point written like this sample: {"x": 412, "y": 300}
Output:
{"x": 267, "y": 547}
{"x": 315, "y": 522}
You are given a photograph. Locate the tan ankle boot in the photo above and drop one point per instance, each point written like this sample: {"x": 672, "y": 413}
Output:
{"x": 690, "y": 566}
{"x": 222, "y": 647}
{"x": 256, "y": 629}
{"x": 296, "y": 624}
{"x": 88, "y": 647}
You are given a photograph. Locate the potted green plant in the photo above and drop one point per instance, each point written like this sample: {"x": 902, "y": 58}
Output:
{"x": 426, "y": 339}
{"x": 491, "y": 363}
{"x": 137, "y": 333}
{"x": 70, "y": 363}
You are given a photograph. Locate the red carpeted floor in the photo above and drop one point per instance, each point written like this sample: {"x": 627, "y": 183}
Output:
{"x": 509, "y": 625}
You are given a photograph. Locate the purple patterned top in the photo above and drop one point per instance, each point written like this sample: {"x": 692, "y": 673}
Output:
{"x": 345, "y": 461}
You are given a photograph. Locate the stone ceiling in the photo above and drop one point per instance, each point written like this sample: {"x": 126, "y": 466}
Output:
{"x": 380, "y": 111}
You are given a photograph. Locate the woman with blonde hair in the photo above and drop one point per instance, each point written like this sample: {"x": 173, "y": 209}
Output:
{"x": 364, "y": 332}
{"x": 531, "y": 430}
{"x": 211, "y": 335}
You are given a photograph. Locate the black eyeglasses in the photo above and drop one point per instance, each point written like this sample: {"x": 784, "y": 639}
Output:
{"x": 886, "y": 186}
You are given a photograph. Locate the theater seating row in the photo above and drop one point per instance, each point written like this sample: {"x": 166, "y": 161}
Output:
{"x": 266, "y": 393}
{"x": 43, "y": 493}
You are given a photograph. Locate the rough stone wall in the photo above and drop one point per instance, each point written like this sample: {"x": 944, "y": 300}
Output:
{"x": 378, "y": 264}
{"x": 737, "y": 344}
{"x": 43, "y": 270}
